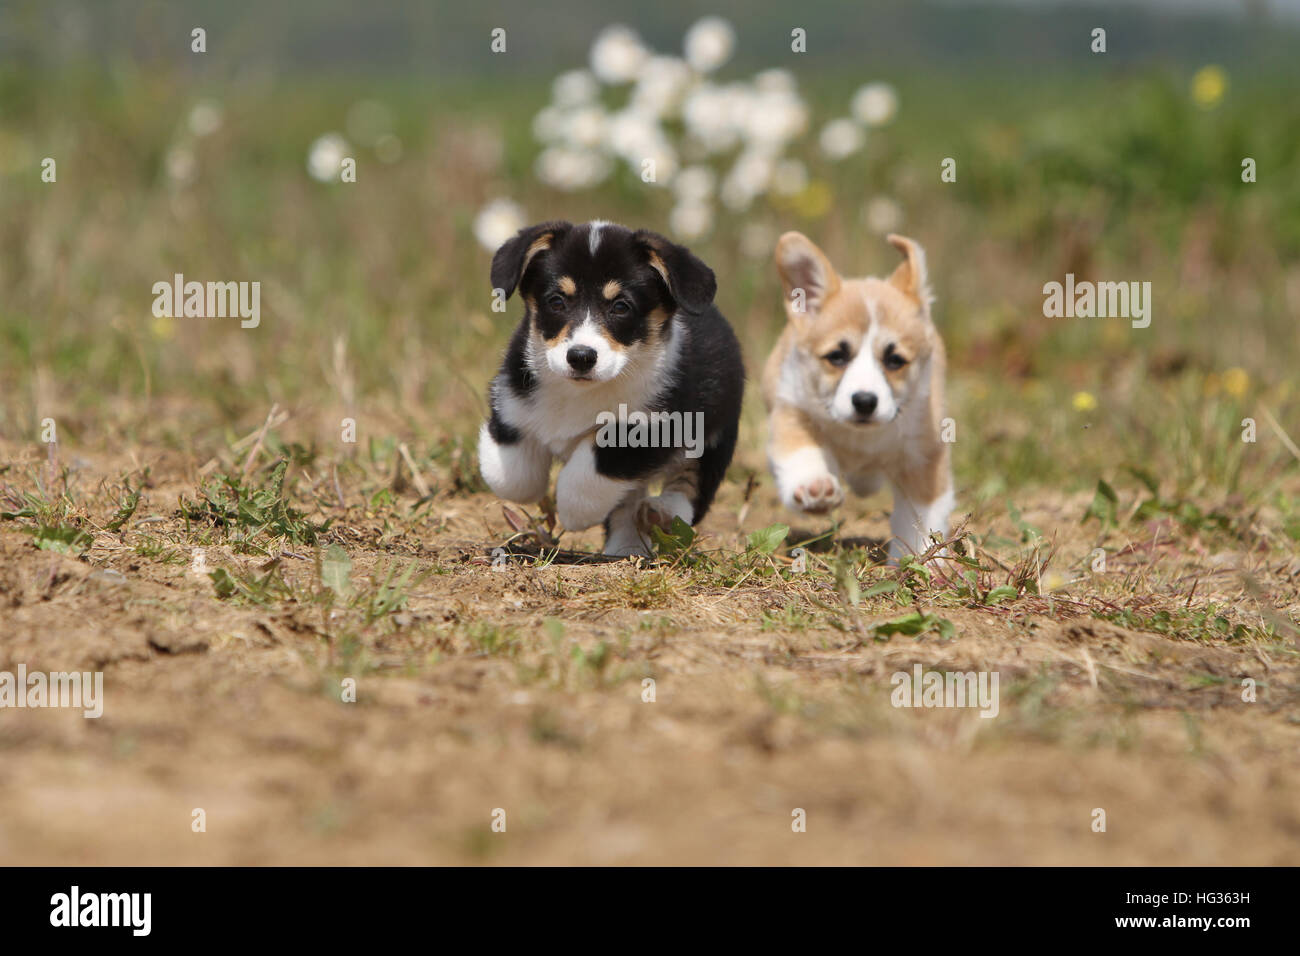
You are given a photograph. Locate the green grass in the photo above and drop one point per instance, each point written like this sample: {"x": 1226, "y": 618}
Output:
{"x": 376, "y": 308}
{"x": 375, "y": 294}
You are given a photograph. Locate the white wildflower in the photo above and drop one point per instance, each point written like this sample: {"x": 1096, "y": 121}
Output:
{"x": 617, "y": 55}
{"x": 709, "y": 44}
{"x": 632, "y": 134}
{"x": 325, "y": 157}
{"x": 571, "y": 169}
{"x": 660, "y": 86}
{"x": 695, "y": 184}
{"x": 690, "y": 220}
{"x": 496, "y": 222}
{"x": 882, "y": 215}
{"x": 180, "y": 164}
{"x": 205, "y": 118}
{"x": 840, "y": 138}
{"x": 548, "y": 124}
{"x": 709, "y": 114}
{"x": 775, "y": 81}
{"x": 774, "y": 118}
{"x": 574, "y": 88}
{"x": 875, "y": 104}
{"x": 585, "y": 127}
{"x": 748, "y": 179}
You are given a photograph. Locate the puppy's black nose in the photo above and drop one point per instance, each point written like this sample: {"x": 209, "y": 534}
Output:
{"x": 864, "y": 403}
{"x": 583, "y": 358}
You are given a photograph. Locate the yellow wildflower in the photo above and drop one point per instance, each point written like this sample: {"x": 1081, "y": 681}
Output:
{"x": 1208, "y": 86}
{"x": 163, "y": 327}
{"x": 814, "y": 200}
{"x": 1236, "y": 381}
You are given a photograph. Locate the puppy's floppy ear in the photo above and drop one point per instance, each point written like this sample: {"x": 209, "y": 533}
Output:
{"x": 807, "y": 275}
{"x": 910, "y": 276}
{"x": 510, "y": 261}
{"x": 689, "y": 280}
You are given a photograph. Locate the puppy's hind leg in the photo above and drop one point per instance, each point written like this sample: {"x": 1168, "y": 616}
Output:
{"x": 623, "y": 536}
{"x": 677, "y": 499}
{"x": 702, "y": 476}
{"x": 913, "y": 522}
{"x": 688, "y": 489}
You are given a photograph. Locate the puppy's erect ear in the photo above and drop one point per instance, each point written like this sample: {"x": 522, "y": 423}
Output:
{"x": 510, "y": 261}
{"x": 910, "y": 276}
{"x": 690, "y": 282}
{"x": 807, "y": 275}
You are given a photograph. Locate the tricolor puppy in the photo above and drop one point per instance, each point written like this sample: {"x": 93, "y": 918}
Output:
{"x": 854, "y": 389}
{"x": 617, "y": 325}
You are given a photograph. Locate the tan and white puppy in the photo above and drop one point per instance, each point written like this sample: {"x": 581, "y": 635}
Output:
{"x": 854, "y": 390}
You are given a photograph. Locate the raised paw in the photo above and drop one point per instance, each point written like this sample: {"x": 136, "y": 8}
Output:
{"x": 819, "y": 494}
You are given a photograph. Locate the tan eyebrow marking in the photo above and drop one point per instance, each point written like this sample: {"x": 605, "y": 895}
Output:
{"x": 567, "y": 285}
{"x": 612, "y": 288}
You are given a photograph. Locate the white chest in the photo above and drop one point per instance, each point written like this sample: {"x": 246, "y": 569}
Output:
{"x": 560, "y": 412}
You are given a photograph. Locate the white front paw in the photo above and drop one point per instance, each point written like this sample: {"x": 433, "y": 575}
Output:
{"x": 517, "y": 472}
{"x": 817, "y": 495}
{"x": 807, "y": 479}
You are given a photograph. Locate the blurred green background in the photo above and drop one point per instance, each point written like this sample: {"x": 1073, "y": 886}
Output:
{"x": 1122, "y": 166}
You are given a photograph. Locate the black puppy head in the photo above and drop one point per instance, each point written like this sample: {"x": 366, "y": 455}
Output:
{"x": 599, "y": 295}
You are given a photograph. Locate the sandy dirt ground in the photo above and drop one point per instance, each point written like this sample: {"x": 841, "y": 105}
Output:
{"x": 518, "y": 695}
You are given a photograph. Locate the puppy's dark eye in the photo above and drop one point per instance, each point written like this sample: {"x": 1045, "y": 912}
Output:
{"x": 621, "y": 309}
{"x": 556, "y": 302}
{"x": 840, "y": 357}
{"x": 893, "y": 360}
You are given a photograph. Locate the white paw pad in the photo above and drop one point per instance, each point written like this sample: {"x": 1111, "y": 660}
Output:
{"x": 819, "y": 494}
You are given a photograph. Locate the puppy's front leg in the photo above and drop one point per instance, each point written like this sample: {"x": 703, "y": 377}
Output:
{"x": 806, "y": 474}
{"x": 514, "y": 466}
{"x": 583, "y": 496}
